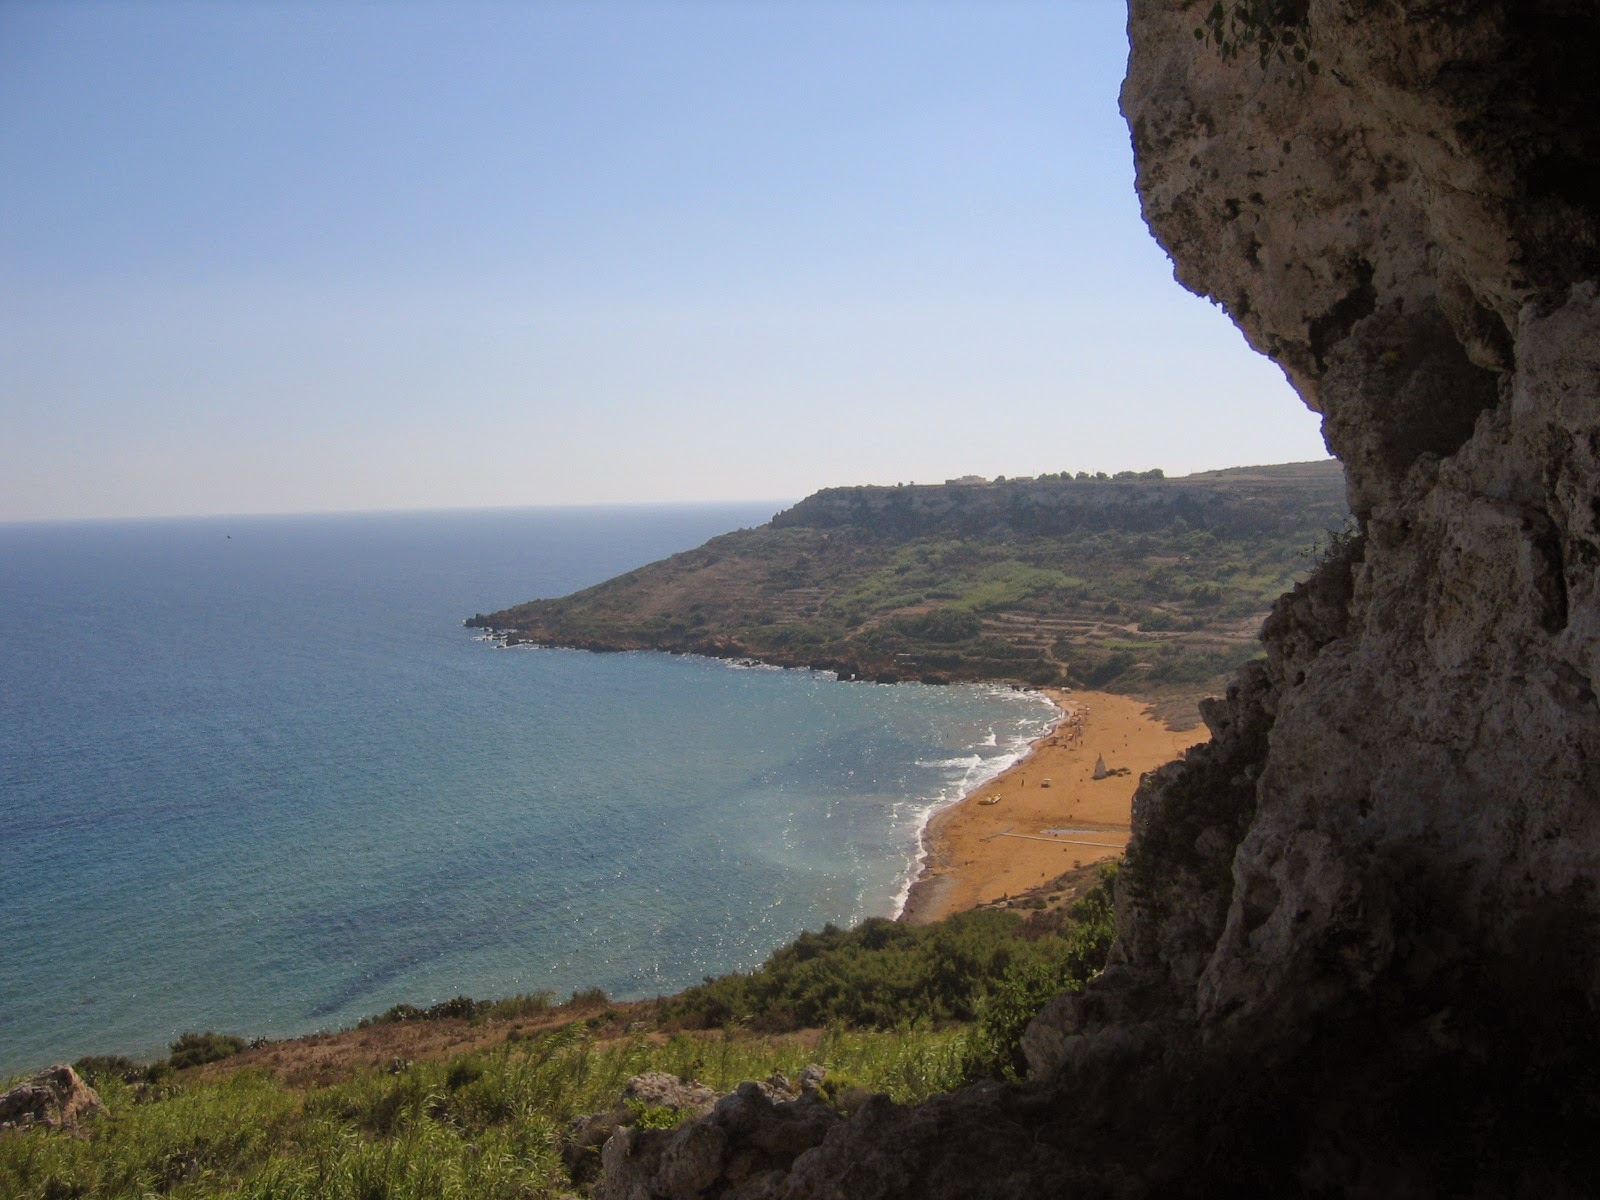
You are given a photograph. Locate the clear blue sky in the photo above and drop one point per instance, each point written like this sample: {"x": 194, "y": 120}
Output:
{"x": 286, "y": 257}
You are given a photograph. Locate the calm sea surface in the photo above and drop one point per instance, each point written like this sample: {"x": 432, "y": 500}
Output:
{"x": 256, "y": 777}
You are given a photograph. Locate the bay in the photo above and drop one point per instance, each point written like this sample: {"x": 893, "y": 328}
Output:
{"x": 255, "y": 776}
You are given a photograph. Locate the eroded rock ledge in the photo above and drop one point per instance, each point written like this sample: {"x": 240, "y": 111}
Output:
{"x": 1359, "y": 935}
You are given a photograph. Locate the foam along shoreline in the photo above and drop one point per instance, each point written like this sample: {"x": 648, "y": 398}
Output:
{"x": 1046, "y": 813}
{"x": 979, "y": 772}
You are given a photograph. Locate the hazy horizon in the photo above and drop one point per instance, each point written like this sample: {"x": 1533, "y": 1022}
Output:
{"x": 307, "y": 258}
{"x": 778, "y": 504}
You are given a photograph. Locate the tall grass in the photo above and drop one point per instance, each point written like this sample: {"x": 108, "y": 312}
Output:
{"x": 484, "y": 1125}
{"x": 487, "y": 1124}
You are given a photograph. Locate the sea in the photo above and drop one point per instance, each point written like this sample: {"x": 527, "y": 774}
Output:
{"x": 256, "y": 777}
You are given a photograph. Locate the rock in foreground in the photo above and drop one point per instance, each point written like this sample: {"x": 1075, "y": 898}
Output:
{"x": 55, "y": 1098}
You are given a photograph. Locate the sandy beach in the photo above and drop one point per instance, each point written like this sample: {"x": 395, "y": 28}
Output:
{"x": 1048, "y": 813}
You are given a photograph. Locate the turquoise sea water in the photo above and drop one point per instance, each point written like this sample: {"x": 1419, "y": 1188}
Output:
{"x": 255, "y": 776}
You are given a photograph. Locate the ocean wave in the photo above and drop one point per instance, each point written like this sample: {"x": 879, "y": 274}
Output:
{"x": 965, "y": 761}
{"x": 980, "y": 770}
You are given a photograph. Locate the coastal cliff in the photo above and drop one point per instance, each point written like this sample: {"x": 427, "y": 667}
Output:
{"x": 1358, "y": 943}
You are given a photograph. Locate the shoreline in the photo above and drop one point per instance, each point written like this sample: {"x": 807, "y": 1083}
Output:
{"x": 1019, "y": 752}
{"x": 925, "y": 893}
{"x": 1009, "y": 835}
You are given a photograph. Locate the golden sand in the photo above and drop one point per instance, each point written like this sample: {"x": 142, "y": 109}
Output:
{"x": 1047, "y": 813}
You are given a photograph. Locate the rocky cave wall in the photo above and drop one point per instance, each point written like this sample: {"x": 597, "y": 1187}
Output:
{"x": 1411, "y": 232}
{"x": 1359, "y": 932}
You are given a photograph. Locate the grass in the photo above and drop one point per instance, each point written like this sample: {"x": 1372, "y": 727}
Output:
{"x": 486, "y": 1123}
{"x": 482, "y": 1124}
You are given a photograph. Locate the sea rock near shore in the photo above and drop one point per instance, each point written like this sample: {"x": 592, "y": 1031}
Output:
{"x": 55, "y": 1098}
{"x": 1359, "y": 931}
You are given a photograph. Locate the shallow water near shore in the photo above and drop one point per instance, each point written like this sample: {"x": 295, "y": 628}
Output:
{"x": 256, "y": 777}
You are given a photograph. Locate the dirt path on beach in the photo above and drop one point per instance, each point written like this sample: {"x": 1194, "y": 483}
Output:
{"x": 1048, "y": 813}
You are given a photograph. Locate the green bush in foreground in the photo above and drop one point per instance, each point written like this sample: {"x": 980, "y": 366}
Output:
{"x": 885, "y": 974}
{"x": 98, "y": 1069}
{"x": 881, "y": 974}
{"x": 193, "y": 1049}
{"x": 1084, "y": 943}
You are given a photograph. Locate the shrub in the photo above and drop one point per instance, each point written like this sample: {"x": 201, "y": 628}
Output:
{"x": 882, "y": 975}
{"x": 1094, "y": 667}
{"x": 464, "y": 1007}
{"x": 457, "y": 1006}
{"x": 527, "y": 1004}
{"x": 399, "y": 1012}
{"x": 1077, "y": 956}
{"x": 464, "y": 1070}
{"x": 193, "y": 1049}
{"x": 655, "y": 1116}
{"x": 97, "y": 1069}
{"x": 945, "y": 625}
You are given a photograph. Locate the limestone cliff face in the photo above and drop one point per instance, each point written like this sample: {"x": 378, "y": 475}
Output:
{"x": 1359, "y": 934}
{"x": 1413, "y": 232}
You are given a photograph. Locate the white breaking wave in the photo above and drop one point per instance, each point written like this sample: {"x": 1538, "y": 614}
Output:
{"x": 976, "y": 770}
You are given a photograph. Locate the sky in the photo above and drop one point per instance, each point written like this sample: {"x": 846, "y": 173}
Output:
{"x": 279, "y": 257}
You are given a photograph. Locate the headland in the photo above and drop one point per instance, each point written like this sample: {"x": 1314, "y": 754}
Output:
{"x": 1133, "y": 583}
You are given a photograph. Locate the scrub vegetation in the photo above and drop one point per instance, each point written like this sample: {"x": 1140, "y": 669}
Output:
{"x": 904, "y": 1010}
{"x": 1132, "y": 583}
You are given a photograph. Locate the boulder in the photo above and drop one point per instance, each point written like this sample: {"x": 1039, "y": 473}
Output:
{"x": 754, "y": 1111}
{"x": 55, "y": 1098}
{"x": 747, "y": 1143}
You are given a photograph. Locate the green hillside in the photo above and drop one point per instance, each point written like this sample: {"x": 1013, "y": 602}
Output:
{"x": 1133, "y": 583}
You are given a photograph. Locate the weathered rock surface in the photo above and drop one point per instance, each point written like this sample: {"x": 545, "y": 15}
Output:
{"x": 1414, "y": 234}
{"x": 747, "y": 1142}
{"x": 585, "y": 1136}
{"x": 1359, "y": 931}
{"x": 55, "y": 1098}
